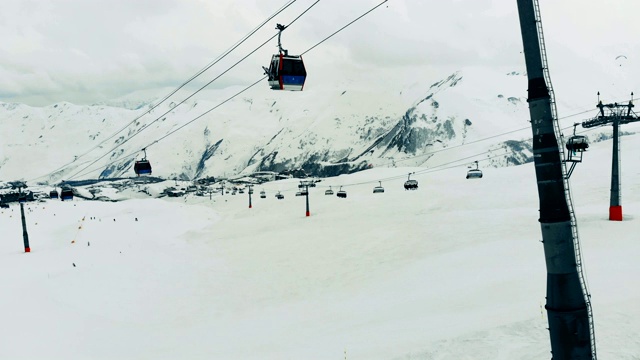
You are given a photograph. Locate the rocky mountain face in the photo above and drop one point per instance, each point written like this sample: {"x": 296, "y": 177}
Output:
{"x": 324, "y": 131}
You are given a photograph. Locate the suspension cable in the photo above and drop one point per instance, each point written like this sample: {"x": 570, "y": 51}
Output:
{"x": 166, "y": 97}
{"x": 193, "y": 94}
{"x": 228, "y": 99}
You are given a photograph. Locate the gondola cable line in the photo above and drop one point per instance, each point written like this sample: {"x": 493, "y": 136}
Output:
{"x": 190, "y": 96}
{"x": 166, "y": 97}
{"x": 81, "y": 172}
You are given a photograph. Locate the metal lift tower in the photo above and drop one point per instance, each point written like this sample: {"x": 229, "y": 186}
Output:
{"x": 615, "y": 114}
{"x": 568, "y": 305}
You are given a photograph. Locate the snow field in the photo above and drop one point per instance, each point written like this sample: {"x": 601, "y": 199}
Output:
{"x": 453, "y": 270}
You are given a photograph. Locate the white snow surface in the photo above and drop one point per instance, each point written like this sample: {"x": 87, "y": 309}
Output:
{"x": 454, "y": 270}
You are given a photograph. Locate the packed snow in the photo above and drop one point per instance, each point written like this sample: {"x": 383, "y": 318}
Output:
{"x": 454, "y": 270}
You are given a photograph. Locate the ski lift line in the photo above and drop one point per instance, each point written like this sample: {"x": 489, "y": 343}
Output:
{"x": 146, "y": 126}
{"x": 484, "y": 139}
{"x": 133, "y": 154}
{"x": 434, "y": 169}
{"x": 206, "y": 112}
{"x": 193, "y": 94}
{"x": 166, "y": 97}
{"x": 461, "y": 145}
{"x": 344, "y": 27}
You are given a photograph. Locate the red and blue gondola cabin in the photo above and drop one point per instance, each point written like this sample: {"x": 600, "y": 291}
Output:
{"x": 142, "y": 167}
{"x": 287, "y": 72}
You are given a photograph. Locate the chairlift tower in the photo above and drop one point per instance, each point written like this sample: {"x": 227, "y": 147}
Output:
{"x": 568, "y": 304}
{"x": 616, "y": 115}
{"x": 305, "y": 185}
{"x": 25, "y": 235}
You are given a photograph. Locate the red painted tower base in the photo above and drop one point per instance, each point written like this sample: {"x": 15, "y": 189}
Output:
{"x": 27, "y": 249}
{"x": 615, "y": 213}
{"x": 308, "y": 213}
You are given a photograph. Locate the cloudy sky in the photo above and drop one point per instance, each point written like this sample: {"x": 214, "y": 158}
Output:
{"x": 88, "y": 51}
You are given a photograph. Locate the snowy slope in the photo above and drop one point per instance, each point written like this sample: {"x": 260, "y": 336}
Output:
{"x": 453, "y": 270}
{"x": 266, "y": 130}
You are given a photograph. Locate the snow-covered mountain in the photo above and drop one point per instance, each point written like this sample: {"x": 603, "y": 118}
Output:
{"x": 327, "y": 129}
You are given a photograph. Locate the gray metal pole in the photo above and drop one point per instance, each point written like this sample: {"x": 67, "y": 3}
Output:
{"x": 615, "y": 208}
{"x": 249, "y": 197}
{"x": 25, "y": 235}
{"x": 567, "y": 312}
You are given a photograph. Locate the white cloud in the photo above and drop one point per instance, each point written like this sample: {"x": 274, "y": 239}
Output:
{"x": 85, "y": 51}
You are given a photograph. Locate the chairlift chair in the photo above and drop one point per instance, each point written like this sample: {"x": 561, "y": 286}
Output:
{"x": 53, "y": 194}
{"x": 279, "y": 196}
{"x": 378, "y": 189}
{"x": 263, "y": 195}
{"x": 328, "y": 192}
{"x": 474, "y": 173}
{"x": 285, "y": 72}
{"x": 576, "y": 145}
{"x": 410, "y": 184}
{"x": 341, "y": 193}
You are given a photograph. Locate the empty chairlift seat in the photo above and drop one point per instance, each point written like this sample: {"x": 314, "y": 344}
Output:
{"x": 328, "y": 192}
{"x": 53, "y": 194}
{"x": 474, "y": 173}
{"x": 263, "y": 195}
{"x": 378, "y": 189}
{"x": 341, "y": 194}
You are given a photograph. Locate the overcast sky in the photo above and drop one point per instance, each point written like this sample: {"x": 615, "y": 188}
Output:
{"x": 87, "y": 51}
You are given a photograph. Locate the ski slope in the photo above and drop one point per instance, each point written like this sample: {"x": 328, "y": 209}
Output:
{"x": 454, "y": 270}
